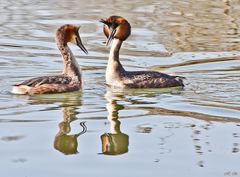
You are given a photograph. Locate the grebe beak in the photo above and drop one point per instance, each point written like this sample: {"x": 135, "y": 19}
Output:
{"x": 102, "y": 21}
{"x": 112, "y": 32}
{"x": 111, "y": 36}
{"x": 80, "y": 45}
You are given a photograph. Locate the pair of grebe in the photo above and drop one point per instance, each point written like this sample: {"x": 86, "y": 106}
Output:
{"x": 117, "y": 30}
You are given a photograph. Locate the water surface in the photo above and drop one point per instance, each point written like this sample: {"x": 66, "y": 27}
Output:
{"x": 162, "y": 132}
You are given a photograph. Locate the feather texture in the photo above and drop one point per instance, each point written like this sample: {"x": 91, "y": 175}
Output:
{"x": 70, "y": 80}
{"x": 150, "y": 79}
{"x": 37, "y": 81}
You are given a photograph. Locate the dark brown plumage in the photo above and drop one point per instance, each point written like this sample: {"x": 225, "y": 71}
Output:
{"x": 57, "y": 79}
{"x": 150, "y": 79}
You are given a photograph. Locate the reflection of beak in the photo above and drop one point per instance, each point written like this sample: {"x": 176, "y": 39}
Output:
{"x": 79, "y": 44}
{"x": 111, "y": 36}
{"x": 84, "y": 129}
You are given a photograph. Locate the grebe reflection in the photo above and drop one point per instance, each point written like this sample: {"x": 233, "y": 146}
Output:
{"x": 115, "y": 142}
{"x": 65, "y": 142}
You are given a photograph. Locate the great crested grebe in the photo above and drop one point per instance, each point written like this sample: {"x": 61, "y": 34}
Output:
{"x": 117, "y": 29}
{"x": 70, "y": 79}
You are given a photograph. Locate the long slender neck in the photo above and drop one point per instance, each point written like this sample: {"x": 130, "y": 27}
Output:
{"x": 114, "y": 66}
{"x": 71, "y": 67}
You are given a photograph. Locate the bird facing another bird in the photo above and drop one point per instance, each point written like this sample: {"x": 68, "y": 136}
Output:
{"x": 117, "y": 29}
{"x": 70, "y": 79}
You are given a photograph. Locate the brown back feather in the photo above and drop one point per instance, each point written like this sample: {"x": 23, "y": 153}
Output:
{"x": 150, "y": 79}
{"x": 37, "y": 81}
{"x": 54, "y": 88}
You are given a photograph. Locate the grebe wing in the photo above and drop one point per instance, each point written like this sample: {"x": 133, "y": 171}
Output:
{"x": 151, "y": 79}
{"x": 145, "y": 75}
{"x": 37, "y": 81}
{"x": 46, "y": 84}
{"x": 55, "y": 88}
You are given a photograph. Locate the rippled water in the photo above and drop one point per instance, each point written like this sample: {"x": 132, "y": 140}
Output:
{"x": 157, "y": 132}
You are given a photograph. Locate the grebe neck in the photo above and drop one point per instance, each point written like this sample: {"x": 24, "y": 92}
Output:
{"x": 114, "y": 65}
{"x": 71, "y": 67}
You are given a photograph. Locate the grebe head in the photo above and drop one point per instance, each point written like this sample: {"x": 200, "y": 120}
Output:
{"x": 69, "y": 33}
{"x": 116, "y": 27}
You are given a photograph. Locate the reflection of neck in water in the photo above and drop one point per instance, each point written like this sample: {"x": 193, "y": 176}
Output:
{"x": 69, "y": 102}
{"x": 115, "y": 142}
{"x": 63, "y": 142}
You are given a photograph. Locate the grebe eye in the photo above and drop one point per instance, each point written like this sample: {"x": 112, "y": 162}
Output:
{"x": 113, "y": 25}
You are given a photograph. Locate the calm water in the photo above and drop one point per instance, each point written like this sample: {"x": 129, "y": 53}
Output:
{"x": 104, "y": 132}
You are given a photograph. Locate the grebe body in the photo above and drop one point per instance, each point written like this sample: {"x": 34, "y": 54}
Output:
{"x": 70, "y": 79}
{"x": 117, "y": 29}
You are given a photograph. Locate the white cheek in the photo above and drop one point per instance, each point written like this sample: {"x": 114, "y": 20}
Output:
{"x": 73, "y": 40}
